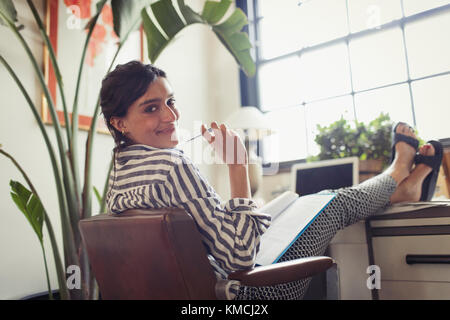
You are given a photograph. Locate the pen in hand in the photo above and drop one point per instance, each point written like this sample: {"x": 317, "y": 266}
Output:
{"x": 199, "y": 135}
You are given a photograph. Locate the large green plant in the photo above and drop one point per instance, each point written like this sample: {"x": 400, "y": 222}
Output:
{"x": 348, "y": 139}
{"x": 74, "y": 197}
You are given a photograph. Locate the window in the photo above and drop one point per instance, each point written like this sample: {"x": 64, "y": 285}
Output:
{"x": 320, "y": 60}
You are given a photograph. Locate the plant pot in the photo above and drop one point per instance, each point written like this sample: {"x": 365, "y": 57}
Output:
{"x": 369, "y": 168}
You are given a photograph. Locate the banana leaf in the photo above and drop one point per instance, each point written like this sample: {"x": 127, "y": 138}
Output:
{"x": 190, "y": 16}
{"x": 9, "y": 12}
{"x": 156, "y": 42}
{"x": 214, "y": 11}
{"x": 235, "y": 41}
{"x": 30, "y": 206}
{"x": 127, "y": 16}
{"x": 170, "y": 22}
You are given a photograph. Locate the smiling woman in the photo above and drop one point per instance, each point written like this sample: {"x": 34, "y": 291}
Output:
{"x": 120, "y": 93}
{"x": 151, "y": 119}
{"x": 139, "y": 109}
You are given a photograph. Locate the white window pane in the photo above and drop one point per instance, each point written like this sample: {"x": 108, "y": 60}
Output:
{"x": 289, "y": 141}
{"x": 325, "y": 113}
{"x": 325, "y": 73}
{"x": 428, "y": 45}
{"x": 279, "y": 29}
{"x": 395, "y": 101}
{"x": 432, "y": 107}
{"x": 378, "y": 59}
{"x": 287, "y": 27}
{"x": 368, "y": 14}
{"x": 416, "y": 6}
{"x": 279, "y": 83}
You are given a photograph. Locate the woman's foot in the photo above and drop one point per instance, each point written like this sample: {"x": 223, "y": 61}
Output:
{"x": 401, "y": 165}
{"x": 409, "y": 190}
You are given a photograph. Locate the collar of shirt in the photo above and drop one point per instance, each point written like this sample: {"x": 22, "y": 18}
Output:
{"x": 124, "y": 154}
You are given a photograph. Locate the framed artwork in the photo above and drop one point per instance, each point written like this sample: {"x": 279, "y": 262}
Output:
{"x": 65, "y": 23}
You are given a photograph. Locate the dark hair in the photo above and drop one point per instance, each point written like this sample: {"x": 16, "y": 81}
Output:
{"x": 120, "y": 88}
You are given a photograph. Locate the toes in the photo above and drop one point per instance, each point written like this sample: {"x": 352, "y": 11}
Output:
{"x": 427, "y": 150}
{"x": 405, "y": 129}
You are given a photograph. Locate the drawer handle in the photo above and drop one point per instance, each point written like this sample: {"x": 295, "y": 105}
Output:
{"x": 428, "y": 258}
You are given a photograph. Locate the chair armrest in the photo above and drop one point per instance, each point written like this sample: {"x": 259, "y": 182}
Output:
{"x": 282, "y": 272}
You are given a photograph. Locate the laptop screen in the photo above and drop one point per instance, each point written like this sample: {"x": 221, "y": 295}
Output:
{"x": 316, "y": 179}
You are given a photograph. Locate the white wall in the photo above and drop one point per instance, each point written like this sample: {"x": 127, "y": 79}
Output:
{"x": 21, "y": 267}
{"x": 205, "y": 79}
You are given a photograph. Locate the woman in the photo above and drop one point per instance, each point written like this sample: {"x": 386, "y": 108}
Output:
{"x": 139, "y": 108}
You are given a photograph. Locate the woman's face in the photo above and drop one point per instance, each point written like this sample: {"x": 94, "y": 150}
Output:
{"x": 151, "y": 119}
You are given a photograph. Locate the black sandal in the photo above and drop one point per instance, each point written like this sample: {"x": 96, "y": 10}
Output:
{"x": 397, "y": 137}
{"x": 434, "y": 162}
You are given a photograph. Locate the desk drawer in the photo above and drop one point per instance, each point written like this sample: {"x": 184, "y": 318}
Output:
{"x": 390, "y": 255}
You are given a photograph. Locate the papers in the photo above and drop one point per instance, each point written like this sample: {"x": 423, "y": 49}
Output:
{"x": 279, "y": 204}
{"x": 412, "y": 206}
{"x": 291, "y": 216}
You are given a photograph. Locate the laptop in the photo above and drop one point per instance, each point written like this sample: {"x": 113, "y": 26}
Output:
{"x": 313, "y": 177}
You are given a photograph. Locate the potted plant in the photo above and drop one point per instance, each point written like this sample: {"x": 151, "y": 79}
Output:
{"x": 75, "y": 197}
{"x": 371, "y": 143}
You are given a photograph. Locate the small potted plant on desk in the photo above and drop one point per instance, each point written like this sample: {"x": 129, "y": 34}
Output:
{"x": 371, "y": 143}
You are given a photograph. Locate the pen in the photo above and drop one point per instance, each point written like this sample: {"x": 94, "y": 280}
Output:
{"x": 199, "y": 135}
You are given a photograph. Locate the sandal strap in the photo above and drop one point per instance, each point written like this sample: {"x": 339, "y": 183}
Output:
{"x": 398, "y": 137}
{"x": 430, "y": 161}
{"x": 433, "y": 161}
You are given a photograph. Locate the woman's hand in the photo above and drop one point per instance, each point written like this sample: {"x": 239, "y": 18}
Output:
{"x": 229, "y": 147}
{"x": 226, "y": 143}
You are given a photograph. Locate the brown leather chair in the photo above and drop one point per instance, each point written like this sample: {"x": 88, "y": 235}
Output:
{"x": 158, "y": 254}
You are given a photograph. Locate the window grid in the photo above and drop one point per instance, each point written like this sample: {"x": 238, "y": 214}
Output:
{"x": 347, "y": 44}
{"x": 408, "y": 73}
{"x": 254, "y": 19}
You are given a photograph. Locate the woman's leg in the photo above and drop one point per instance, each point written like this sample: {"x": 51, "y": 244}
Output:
{"x": 348, "y": 207}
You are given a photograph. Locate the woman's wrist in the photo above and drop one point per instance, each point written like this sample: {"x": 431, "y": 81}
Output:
{"x": 239, "y": 181}
{"x": 237, "y": 166}
{"x": 239, "y": 161}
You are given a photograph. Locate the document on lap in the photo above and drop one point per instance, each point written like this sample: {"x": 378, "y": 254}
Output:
{"x": 291, "y": 216}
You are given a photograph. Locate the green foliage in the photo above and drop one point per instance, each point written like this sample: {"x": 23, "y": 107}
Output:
{"x": 214, "y": 11}
{"x": 8, "y": 13}
{"x": 235, "y": 41}
{"x": 30, "y": 205}
{"x": 98, "y": 196}
{"x": 344, "y": 139}
{"x": 228, "y": 32}
{"x": 126, "y": 16}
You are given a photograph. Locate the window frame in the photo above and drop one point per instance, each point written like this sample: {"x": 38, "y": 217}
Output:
{"x": 250, "y": 86}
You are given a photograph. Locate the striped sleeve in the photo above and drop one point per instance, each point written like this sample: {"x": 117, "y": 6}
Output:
{"x": 230, "y": 231}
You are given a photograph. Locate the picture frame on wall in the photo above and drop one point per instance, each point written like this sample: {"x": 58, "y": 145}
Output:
{"x": 66, "y": 26}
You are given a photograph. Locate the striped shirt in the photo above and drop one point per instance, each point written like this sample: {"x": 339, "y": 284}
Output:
{"x": 146, "y": 177}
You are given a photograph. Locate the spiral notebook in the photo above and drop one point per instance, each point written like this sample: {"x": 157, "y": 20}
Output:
{"x": 291, "y": 216}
